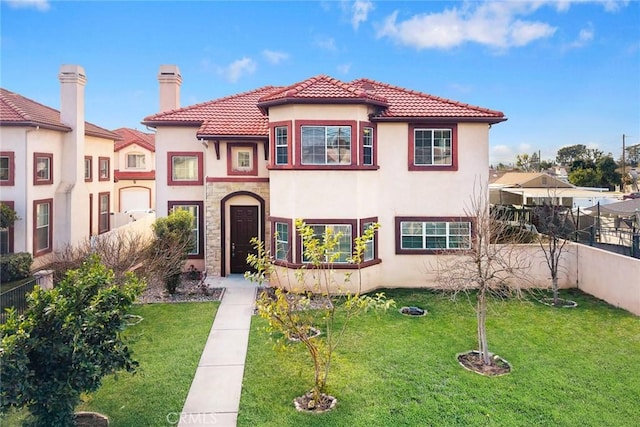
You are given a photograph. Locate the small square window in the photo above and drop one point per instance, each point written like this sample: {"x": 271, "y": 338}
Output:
{"x": 135, "y": 161}
{"x": 242, "y": 159}
{"x": 7, "y": 168}
{"x": 185, "y": 168}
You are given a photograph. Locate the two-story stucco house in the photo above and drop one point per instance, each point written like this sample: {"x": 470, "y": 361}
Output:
{"x": 335, "y": 154}
{"x": 134, "y": 170}
{"x": 56, "y": 170}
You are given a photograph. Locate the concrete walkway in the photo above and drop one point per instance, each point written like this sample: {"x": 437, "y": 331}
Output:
{"x": 214, "y": 396}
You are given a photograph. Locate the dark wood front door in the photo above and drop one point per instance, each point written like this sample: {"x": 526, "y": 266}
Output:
{"x": 244, "y": 227}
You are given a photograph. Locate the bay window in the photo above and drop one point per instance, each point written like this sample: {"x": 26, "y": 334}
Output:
{"x": 325, "y": 145}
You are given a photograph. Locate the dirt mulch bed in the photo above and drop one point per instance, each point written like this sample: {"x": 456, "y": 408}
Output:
{"x": 189, "y": 290}
{"x": 305, "y": 403}
{"x": 472, "y": 361}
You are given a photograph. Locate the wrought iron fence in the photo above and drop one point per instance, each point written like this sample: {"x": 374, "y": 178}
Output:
{"x": 16, "y": 297}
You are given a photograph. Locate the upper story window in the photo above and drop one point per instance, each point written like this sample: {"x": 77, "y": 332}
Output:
{"x": 325, "y": 145}
{"x": 433, "y": 148}
{"x": 185, "y": 168}
{"x": 430, "y": 235}
{"x": 104, "y": 168}
{"x": 7, "y": 168}
{"x": 282, "y": 145}
{"x": 88, "y": 168}
{"x": 367, "y": 146}
{"x": 135, "y": 161}
{"x": 242, "y": 159}
{"x": 43, "y": 168}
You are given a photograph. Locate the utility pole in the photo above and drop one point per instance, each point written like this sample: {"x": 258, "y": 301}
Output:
{"x": 624, "y": 165}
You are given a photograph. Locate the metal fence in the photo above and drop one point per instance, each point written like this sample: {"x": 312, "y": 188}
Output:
{"x": 16, "y": 297}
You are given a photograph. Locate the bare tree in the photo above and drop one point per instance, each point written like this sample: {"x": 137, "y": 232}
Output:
{"x": 492, "y": 264}
{"x": 556, "y": 223}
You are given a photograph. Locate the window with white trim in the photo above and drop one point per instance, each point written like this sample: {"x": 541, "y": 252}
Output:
{"x": 282, "y": 241}
{"x": 194, "y": 210}
{"x": 5, "y": 169}
{"x": 367, "y": 146}
{"x": 42, "y": 232}
{"x": 43, "y": 165}
{"x": 435, "y": 235}
{"x": 342, "y": 251}
{"x": 432, "y": 147}
{"x": 104, "y": 168}
{"x": 326, "y": 145}
{"x": 135, "y": 161}
{"x": 369, "y": 252}
{"x": 104, "y": 215}
{"x": 282, "y": 145}
{"x": 88, "y": 168}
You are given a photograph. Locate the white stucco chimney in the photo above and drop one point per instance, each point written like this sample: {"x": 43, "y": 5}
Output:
{"x": 170, "y": 81}
{"x": 71, "y": 213}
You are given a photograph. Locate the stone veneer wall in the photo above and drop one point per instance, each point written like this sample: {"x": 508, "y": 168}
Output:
{"x": 215, "y": 192}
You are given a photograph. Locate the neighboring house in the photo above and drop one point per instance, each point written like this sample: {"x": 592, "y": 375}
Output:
{"x": 56, "y": 170}
{"x": 134, "y": 170}
{"x": 338, "y": 155}
{"x": 537, "y": 188}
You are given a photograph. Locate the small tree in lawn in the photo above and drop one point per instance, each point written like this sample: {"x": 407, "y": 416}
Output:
{"x": 294, "y": 315}
{"x": 171, "y": 246}
{"x": 556, "y": 224}
{"x": 68, "y": 339}
{"x": 492, "y": 264}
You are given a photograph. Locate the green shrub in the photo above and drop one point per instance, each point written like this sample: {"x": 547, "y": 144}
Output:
{"x": 15, "y": 266}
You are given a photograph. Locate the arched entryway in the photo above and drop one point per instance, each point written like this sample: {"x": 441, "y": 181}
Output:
{"x": 242, "y": 216}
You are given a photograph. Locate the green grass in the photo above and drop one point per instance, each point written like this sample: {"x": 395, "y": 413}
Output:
{"x": 168, "y": 344}
{"x": 570, "y": 367}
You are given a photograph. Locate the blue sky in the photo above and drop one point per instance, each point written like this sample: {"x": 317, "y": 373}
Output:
{"x": 564, "y": 72}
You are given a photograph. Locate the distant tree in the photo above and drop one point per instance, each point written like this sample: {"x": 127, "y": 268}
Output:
{"x": 567, "y": 155}
{"x": 171, "y": 246}
{"x": 633, "y": 155}
{"x": 546, "y": 164}
{"x": 68, "y": 339}
{"x": 585, "y": 177}
{"x": 609, "y": 176}
{"x": 524, "y": 162}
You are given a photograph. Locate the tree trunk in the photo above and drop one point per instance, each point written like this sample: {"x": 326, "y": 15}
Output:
{"x": 554, "y": 285}
{"x": 482, "y": 328}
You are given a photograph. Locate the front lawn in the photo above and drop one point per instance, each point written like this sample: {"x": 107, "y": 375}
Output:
{"x": 168, "y": 343}
{"x": 570, "y": 367}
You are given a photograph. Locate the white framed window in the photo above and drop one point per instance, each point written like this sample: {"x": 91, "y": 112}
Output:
{"x": 432, "y": 147}
{"x": 88, "y": 168}
{"x": 435, "y": 235}
{"x": 195, "y": 225}
{"x": 135, "y": 161}
{"x": 343, "y": 250}
{"x": 6, "y": 168}
{"x": 282, "y": 241}
{"x": 282, "y": 145}
{"x": 104, "y": 168}
{"x": 104, "y": 215}
{"x": 42, "y": 234}
{"x": 367, "y": 146}
{"x": 369, "y": 252}
{"x": 43, "y": 168}
{"x": 326, "y": 145}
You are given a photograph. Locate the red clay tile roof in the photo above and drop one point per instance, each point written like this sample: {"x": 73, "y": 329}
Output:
{"x": 319, "y": 89}
{"x": 406, "y": 103}
{"x": 16, "y": 110}
{"x": 146, "y": 175}
{"x": 246, "y": 114}
{"x": 133, "y": 136}
{"x": 236, "y": 115}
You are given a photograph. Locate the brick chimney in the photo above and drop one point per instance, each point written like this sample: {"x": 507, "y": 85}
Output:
{"x": 170, "y": 81}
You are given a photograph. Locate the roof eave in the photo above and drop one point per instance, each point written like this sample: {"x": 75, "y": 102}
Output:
{"x": 232, "y": 137}
{"x": 156, "y": 123}
{"x": 435, "y": 119}
{"x": 34, "y": 124}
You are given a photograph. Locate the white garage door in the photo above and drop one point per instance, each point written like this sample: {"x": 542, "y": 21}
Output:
{"x": 134, "y": 198}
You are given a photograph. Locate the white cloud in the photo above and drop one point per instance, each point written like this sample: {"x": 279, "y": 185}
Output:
{"x": 274, "y": 57}
{"x": 344, "y": 68}
{"x": 493, "y": 24}
{"x": 502, "y": 154}
{"x": 523, "y": 147}
{"x": 327, "y": 43}
{"x": 41, "y": 5}
{"x": 584, "y": 37}
{"x": 360, "y": 9}
{"x": 237, "y": 69}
